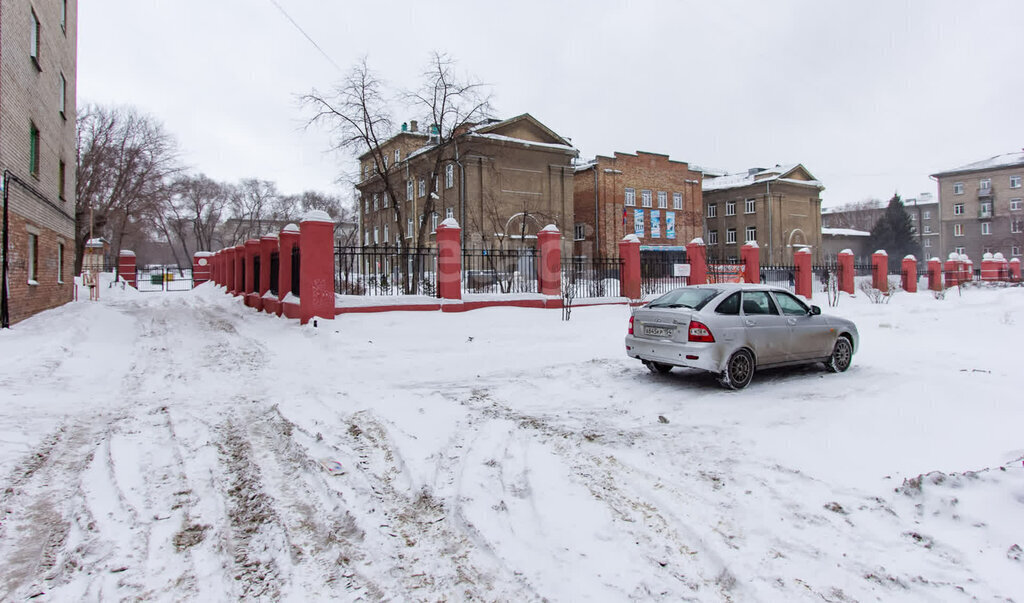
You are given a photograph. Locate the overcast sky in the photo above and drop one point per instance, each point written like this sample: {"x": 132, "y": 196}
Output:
{"x": 871, "y": 96}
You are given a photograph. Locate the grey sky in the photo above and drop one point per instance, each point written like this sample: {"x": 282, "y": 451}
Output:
{"x": 871, "y": 96}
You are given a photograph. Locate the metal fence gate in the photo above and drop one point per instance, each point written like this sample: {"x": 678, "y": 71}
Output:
{"x": 163, "y": 278}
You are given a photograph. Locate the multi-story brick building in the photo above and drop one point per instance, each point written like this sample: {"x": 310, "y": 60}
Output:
{"x": 982, "y": 207}
{"x": 646, "y": 194}
{"x": 840, "y": 223}
{"x": 924, "y": 213}
{"x": 779, "y": 208}
{"x": 510, "y": 179}
{"x": 38, "y": 49}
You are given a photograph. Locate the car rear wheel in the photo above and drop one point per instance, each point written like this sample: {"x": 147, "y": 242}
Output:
{"x": 657, "y": 367}
{"x": 842, "y": 355}
{"x": 739, "y": 370}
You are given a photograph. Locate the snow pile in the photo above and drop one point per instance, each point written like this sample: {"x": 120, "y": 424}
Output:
{"x": 175, "y": 446}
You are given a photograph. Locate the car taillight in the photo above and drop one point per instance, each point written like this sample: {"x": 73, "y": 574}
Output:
{"x": 630, "y": 325}
{"x": 700, "y": 332}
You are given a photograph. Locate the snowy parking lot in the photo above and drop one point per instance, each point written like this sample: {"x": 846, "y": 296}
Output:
{"x": 172, "y": 446}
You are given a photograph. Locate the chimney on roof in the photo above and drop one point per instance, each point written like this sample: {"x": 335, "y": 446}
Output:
{"x": 413, "y": 125}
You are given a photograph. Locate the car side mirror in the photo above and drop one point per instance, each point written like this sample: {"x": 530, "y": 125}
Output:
{"x": 815, "y": 310}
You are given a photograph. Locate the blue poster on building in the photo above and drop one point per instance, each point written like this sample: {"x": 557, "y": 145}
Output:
{"x": 670, "y": 225}
{"x": 638, "y": 222}
{"x": 655, "y": 224}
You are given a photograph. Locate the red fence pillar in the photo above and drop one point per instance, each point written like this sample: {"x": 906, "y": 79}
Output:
{"x": 1014, "y": 268}
{"x": 252, "y": 296}
{"x": 201, "y": 267}
{"x": 966, "y": 269}
{"x": 697, "y": 256}
{"x": 953, "y": 270}
{"x": 316, "y": 278}
{"x": 126, "y": 266}
{"x": 846, "y": 271}
{"x": 549, "y": 279}
{"x": 629, "y": 277}
{"x": 908, "y": 274}
{"x": 215, "y": 268}
{"x": 880, "y": 270}
{"x": 935, "y": 274}
{"x": 804, "y": 275}
{"x": 239, "y": 262}
{"x": 751, "y": 255}
{"x": 449, "y": 259}
{"x": 989, "y": 268}
{"x": 288, "y": 241}
{"x": 268, "y": 246}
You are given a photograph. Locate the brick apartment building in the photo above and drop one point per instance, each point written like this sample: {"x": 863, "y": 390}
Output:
{"x": 924, "y": 214}
{"x": 848, "y": 226}
{"x": 646, "y": 194}
{"x": 511, "y": 178}
{"x": 982, "y": 207}
{"x": 38, "y": 59}
{"x": 779, "y": 208}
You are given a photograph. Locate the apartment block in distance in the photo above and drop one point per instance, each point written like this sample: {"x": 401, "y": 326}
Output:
{"x": 646, "y": 194}
{"x": 38, "y": 42}
{"x": 982, "y": 207}
{"x": 510, "y": 179}
{"x": 779, "y": 208}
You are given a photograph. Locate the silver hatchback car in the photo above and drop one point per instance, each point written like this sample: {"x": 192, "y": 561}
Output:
{"x": 733, "y": 329}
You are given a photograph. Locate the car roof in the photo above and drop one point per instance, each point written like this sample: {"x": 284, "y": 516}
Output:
{"x": 738, "y": 287}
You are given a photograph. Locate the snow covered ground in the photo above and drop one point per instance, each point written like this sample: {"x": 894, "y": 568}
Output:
{"x": 167, "y": 446}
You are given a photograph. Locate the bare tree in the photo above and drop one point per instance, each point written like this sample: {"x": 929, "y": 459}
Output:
{"x": 192, "y": 215}
{"x": 252, "y": 205}
{"x": 124, "y": 161}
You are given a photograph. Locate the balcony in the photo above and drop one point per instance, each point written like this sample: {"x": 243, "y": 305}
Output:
{"x": 985, "y": 211}
{"x": 985, "y": 192}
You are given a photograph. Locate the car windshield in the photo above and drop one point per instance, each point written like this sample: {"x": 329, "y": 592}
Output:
{"x": 686, "y": 297}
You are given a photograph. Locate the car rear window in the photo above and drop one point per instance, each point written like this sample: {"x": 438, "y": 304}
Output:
{"x": 729, "y": 305}
{"x": 685, "y": 297}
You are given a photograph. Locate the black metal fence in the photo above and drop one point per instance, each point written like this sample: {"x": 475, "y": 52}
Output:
{"x": 384, "y": 270}
{"x": 661, "y": 274}
{"x": 499, "y": 270}
{"x": 591, "y": 277}
{"x": 275, "y": 272}
{"x": 150, "y": 279}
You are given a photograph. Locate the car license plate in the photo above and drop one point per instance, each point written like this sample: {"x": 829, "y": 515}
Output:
{"x": 657, "y": 332}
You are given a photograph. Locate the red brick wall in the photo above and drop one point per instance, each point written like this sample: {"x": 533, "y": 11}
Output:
{"x": 25, "y": 299}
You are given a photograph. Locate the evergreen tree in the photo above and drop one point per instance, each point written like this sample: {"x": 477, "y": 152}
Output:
{"x": 894, "y": 232}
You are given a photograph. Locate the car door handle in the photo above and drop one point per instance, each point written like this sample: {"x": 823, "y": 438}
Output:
{"x": 751, "y": 323}
{"x": 791, "y": 321}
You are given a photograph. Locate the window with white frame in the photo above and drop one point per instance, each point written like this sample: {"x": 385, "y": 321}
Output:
{"x": 578, "y": 231}
{"x": 662, "y": 200}
{"x": 449, "y": 213}
{"x": 645, "y": 198}
{"x": 730, "y": 236}
{"x": 398, "y": 156}
{"x": 1017, "y": 226}
{"x": 677, "y": 200}
{"x": 958, "y": 209}
{"x": 1014, "y": 181}
{"x": 960, "y": 250}
{"x": 927, "y": 229}
{"x": 630, "y": 197}
{"x": 749, "y": 206}
{"x": 1016, "y": 204}
{"x": 434, "y": 220}
{"x": 423, "y": 188}
{"x": 385, "y": 159}
{"x": 730, "y": 208}
{"x": 927, "y": 243}
{"x": 751, "y": 234}
{"x": 958, "y": 188}
{"x": 375, "y": 198}
{"x": 376, "y": 235}
{"x": 383, "y": 200}
{"x": 1015, "y": 250}
{"x": 367, "y": 238}
{"x": 712, "y": 237}
{"x": 386, "y": 237}
{"x": 366, "y": 206}
{"x": 712, "y": 210}
{"x": 408, "y": 190}
{"x": 408, "y": 228}
{"x": 33, "y": 38}
{"x": 449, "y": 175}
{"x": 927, "y": 215}
{"x": 986, "y": 228}
{"x": 958, "y": 230}
{"x": 985, "y": 184}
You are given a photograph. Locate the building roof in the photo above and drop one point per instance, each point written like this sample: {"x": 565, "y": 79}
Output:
{"x": 789, "y": 173}
{"x": 993, "y": 163}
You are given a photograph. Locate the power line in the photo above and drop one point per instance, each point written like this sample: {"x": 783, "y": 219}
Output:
{"x": 303, "y": 32}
